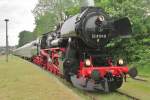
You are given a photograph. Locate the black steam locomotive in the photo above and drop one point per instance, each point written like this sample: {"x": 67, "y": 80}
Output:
{"x": 80, "y": 45}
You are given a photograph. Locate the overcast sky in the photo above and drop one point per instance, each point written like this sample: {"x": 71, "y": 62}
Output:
{"x": 19, "y": 12}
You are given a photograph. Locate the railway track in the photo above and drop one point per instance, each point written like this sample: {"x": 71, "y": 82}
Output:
{"x": 140, "y": 79}
{"x": 144, "y": 76}
{"x": 121, "y": 92}
{"x": 96, "y": 96}
{"x": 127, "y": 95}
{"x": 93, "y": 97}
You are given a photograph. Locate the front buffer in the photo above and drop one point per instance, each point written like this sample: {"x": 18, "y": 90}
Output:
{"x": 104, "y": 78}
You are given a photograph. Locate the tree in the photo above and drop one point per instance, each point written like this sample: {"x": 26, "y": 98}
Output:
{"x": 57, "y": 7}
{"x": 48, "y": 13}
{"x": 25, "y": 37}
{"x": 45, "y": 24}
{"x": 137, "y": 11}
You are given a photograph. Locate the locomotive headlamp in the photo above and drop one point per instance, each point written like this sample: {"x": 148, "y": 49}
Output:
{"x": 101, "y": 18}
{"x": 87, "y": 62}
{"x": 120, "y": 62}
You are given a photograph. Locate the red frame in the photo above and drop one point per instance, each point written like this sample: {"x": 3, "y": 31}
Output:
{"x": 84, "y": 71}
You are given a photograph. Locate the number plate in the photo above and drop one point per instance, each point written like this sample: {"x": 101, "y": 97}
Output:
{"x": 99, "y": 36}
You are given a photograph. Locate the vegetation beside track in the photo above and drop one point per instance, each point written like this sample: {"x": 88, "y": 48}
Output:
{"x": 21, "y": 80}
{"x": 143, "y": 66}
{"x": 138, "y": 89}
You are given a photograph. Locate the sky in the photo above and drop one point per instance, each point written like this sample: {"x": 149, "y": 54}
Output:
{"x": 19, "y": 13}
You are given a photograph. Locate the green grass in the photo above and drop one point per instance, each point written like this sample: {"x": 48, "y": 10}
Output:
{"x": 143, "y": 67}
{"x": 143, "y": 64}
{"x": 21, "y": 80}
{"x": 136, "y": 88}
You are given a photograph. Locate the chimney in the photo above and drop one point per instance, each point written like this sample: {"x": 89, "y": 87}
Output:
{"x": 87, "y": 3}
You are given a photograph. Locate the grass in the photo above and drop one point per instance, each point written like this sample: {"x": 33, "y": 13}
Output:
{"x": 21, "y": 80}
{"x": 143, "y": 67}
{"x": 136, "y": 88}
{"x": 143, "y": 64}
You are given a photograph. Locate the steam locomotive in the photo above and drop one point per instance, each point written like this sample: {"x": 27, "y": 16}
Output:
{"x": 78, "y": 50}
